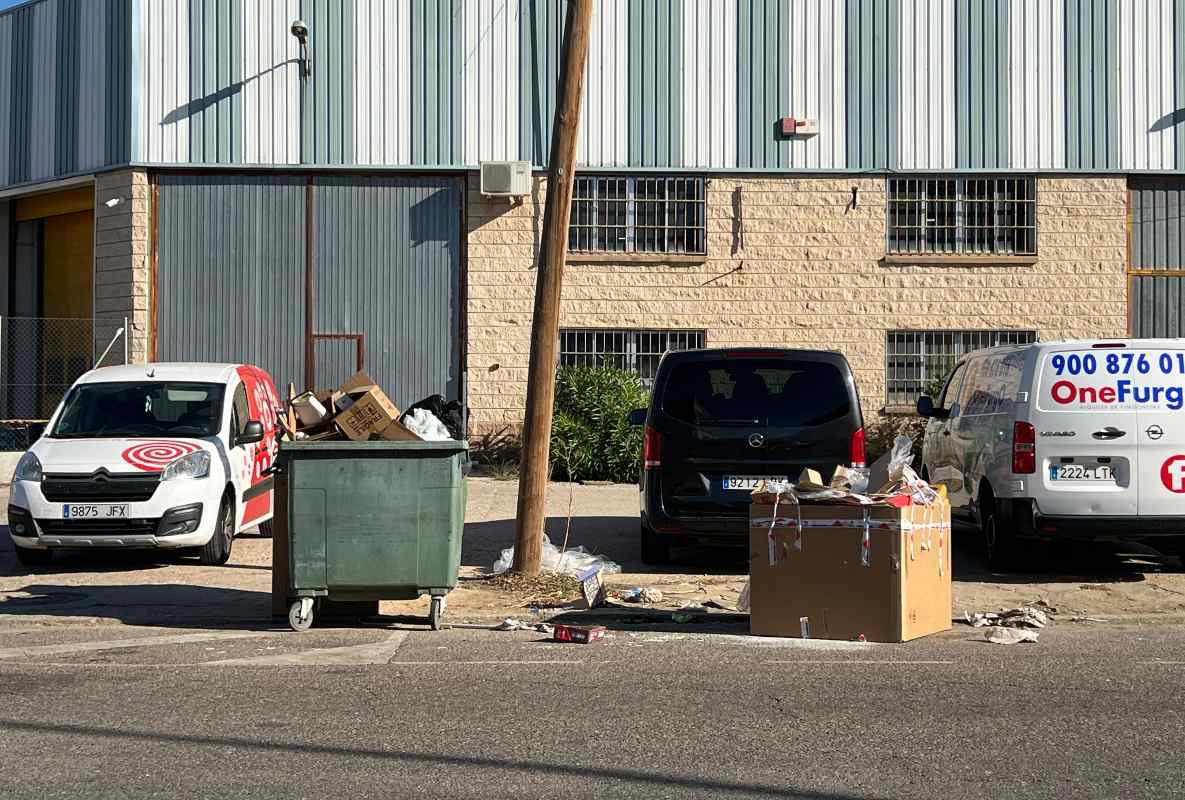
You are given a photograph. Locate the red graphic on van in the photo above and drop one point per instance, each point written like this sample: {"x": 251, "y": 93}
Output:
{"x": 155, "y": 456}
{"x": 1172, "y": 474}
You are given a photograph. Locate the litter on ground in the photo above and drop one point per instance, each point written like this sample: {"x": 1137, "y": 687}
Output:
{"x": 574, "y": 561}
{"x": 998, "y": 635}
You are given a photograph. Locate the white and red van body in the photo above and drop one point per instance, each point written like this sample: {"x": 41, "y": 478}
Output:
{"x": 170, "y": 455}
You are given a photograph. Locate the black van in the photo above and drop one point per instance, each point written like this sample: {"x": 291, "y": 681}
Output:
{"x": 721, "y": 421}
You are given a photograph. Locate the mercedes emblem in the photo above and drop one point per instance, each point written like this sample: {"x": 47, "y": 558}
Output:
{"x": 756, "y": 439}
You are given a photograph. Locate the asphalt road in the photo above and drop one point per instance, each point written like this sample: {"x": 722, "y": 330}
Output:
{"x": 1090, "y": 711}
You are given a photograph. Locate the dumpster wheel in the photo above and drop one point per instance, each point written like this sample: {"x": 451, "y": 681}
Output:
{"x": 300, "y": 614}
{"x": 435, "y": 612}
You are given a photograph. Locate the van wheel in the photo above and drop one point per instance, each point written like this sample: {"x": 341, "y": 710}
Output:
{"x": 29, "y": 557}
{"x": 216, "y": 552}
{"x": 655, "y": 549}
{"x": 999, "y": 537}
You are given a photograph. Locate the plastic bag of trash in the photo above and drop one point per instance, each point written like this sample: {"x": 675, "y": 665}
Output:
{"x": 575, "y": 561}
{"x": 900, "y": 458}
{"x": 423, "y": 423}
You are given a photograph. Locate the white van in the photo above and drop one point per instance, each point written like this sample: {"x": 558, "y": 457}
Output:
{"x": 1078, "y": 440}
{"x": 163, "y": 456}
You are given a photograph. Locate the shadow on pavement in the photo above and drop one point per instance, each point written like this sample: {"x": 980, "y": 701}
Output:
{"x": 616, "y": 538}
{"x": 73, "y": 561}
{"x": 535, "y": 768}
{"x": 164, "y": 605}
{"x": 1059, "y": 562}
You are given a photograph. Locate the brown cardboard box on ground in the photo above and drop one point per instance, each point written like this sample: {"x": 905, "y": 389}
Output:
{"x": 371, "y": 412}
{"x": 825, "y": 591}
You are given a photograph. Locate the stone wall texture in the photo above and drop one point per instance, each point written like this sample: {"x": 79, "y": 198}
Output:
{"x": 812, "y": 275}
{"x": 123, "y": 276}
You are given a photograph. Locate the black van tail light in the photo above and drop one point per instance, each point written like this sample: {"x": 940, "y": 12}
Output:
{"x": 652, "y": 449}
{"x": 1024, "y": 448}
{"x": 753, "y": 354}
{"x": 1108, "y": 345}
{"x": 858, "y": 448}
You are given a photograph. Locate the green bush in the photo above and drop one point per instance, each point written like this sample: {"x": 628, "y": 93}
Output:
{"x": 591, "y": 438}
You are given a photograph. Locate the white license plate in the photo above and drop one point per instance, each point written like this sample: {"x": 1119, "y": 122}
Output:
{"x": 748, "y": 483}
{"x": 95, "y": 511}
{"x": 1081, "y": 472}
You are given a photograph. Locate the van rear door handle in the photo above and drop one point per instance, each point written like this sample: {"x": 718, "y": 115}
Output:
{"x": 1109, "y": 433}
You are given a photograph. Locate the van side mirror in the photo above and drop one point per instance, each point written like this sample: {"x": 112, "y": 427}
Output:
{"x": 637, "y": 417}
{"x": 252, "y": 433}
{"x": 926, "y": 408}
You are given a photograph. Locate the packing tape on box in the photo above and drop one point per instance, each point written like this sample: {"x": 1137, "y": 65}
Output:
{"x": 777, "y": 549}
{"x": 866, "y": 542}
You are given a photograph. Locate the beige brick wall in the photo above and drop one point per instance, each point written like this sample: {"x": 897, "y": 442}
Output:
{"x": 122, "y": 269}
{"x": 812, "y": 276}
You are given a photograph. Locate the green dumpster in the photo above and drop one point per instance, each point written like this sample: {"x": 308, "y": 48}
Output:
{"x": 372, "y": 521}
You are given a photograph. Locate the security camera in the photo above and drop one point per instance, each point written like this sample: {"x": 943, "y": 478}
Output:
{"x": 300, "y": 30}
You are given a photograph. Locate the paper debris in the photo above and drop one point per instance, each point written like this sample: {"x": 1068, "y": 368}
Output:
{"x": 998, "y": 635}
{"x": 512, "y": 624}
{"x": 1023, "y": 617}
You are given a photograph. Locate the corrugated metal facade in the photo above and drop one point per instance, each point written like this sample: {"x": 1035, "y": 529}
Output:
{"x": 1081, "y": 85}
{"x": 231, "y": 271}
{"x": 1158, "y": 224}
{"x": 388, "y": 269}
{"x": 231, "y": 276}
{"x": 65, "y": 106}
{"x": 1158, "y": 246}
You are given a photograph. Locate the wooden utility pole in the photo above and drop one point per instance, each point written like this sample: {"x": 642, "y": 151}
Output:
{"x": 545, "y": 325}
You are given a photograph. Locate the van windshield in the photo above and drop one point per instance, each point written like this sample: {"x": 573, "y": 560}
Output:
{"x": 775, "y": 392}
{"x": 111, "y": 410}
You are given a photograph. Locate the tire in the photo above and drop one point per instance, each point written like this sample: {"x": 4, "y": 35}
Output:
{"x": 28, "y": 557}
{"x": 999, "y": 536}
{"x": 435, "y": 612}
{"x": 296, "y": 621}
{"x": 267, "y": 529}
{"x": 216, "y": 552}
{"x": 655, "y": 549}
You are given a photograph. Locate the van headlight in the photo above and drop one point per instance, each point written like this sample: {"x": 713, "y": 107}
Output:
{"x": 194, "y": 465}
{"x": 28, "y": 469}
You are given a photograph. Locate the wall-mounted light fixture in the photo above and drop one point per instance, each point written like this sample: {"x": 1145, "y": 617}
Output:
{"x": 301, "y": 31}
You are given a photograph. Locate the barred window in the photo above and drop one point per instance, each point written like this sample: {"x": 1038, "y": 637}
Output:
{"x": 962, "y": 216}
{"x": 620, "y": 214}
{"x": 636, "y": 351}
{"x": 917, "y": 362}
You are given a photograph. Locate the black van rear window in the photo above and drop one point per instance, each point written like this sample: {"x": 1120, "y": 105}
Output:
{"x": 776, "y": 392}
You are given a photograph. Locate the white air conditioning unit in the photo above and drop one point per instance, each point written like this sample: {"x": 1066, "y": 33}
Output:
{"x": 505, "y": 178}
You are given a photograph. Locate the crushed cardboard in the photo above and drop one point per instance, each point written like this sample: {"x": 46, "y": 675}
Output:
{"x": 358, "y": 410}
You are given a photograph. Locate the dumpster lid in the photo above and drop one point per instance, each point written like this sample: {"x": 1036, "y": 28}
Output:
{"x": 379, "y": 446}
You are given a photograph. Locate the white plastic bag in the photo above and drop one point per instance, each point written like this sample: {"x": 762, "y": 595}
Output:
{"x": 575, "y": 561}
{"x": 423, "y": 423}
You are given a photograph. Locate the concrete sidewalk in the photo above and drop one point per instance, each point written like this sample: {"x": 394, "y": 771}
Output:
{"x": 161, "y": 590}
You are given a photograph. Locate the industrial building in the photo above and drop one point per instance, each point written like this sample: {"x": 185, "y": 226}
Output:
{"x": 901, "y": 180}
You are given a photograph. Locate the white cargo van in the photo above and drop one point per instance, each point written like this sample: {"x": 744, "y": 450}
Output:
{"x": 1079, "y": 440}
{"x": 166, "y": 456}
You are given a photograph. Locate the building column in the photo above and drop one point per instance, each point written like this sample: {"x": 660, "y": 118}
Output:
{"x": 123, "y": 271}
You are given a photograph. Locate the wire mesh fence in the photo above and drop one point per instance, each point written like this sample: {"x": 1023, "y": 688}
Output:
{"x": 41, "y": 357}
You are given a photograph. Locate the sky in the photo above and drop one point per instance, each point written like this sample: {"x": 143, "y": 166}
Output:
{"x": 6, "y": 3}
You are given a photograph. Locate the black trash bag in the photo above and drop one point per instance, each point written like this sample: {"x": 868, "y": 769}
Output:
{"x": 450, "y": 412}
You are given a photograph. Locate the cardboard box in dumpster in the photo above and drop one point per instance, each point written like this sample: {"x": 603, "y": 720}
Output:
{"x": 370, "y": 412}
{"x": 838, "y": 570}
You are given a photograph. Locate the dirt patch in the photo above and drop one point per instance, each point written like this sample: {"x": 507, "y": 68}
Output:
{"x": 546, "y": 590}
